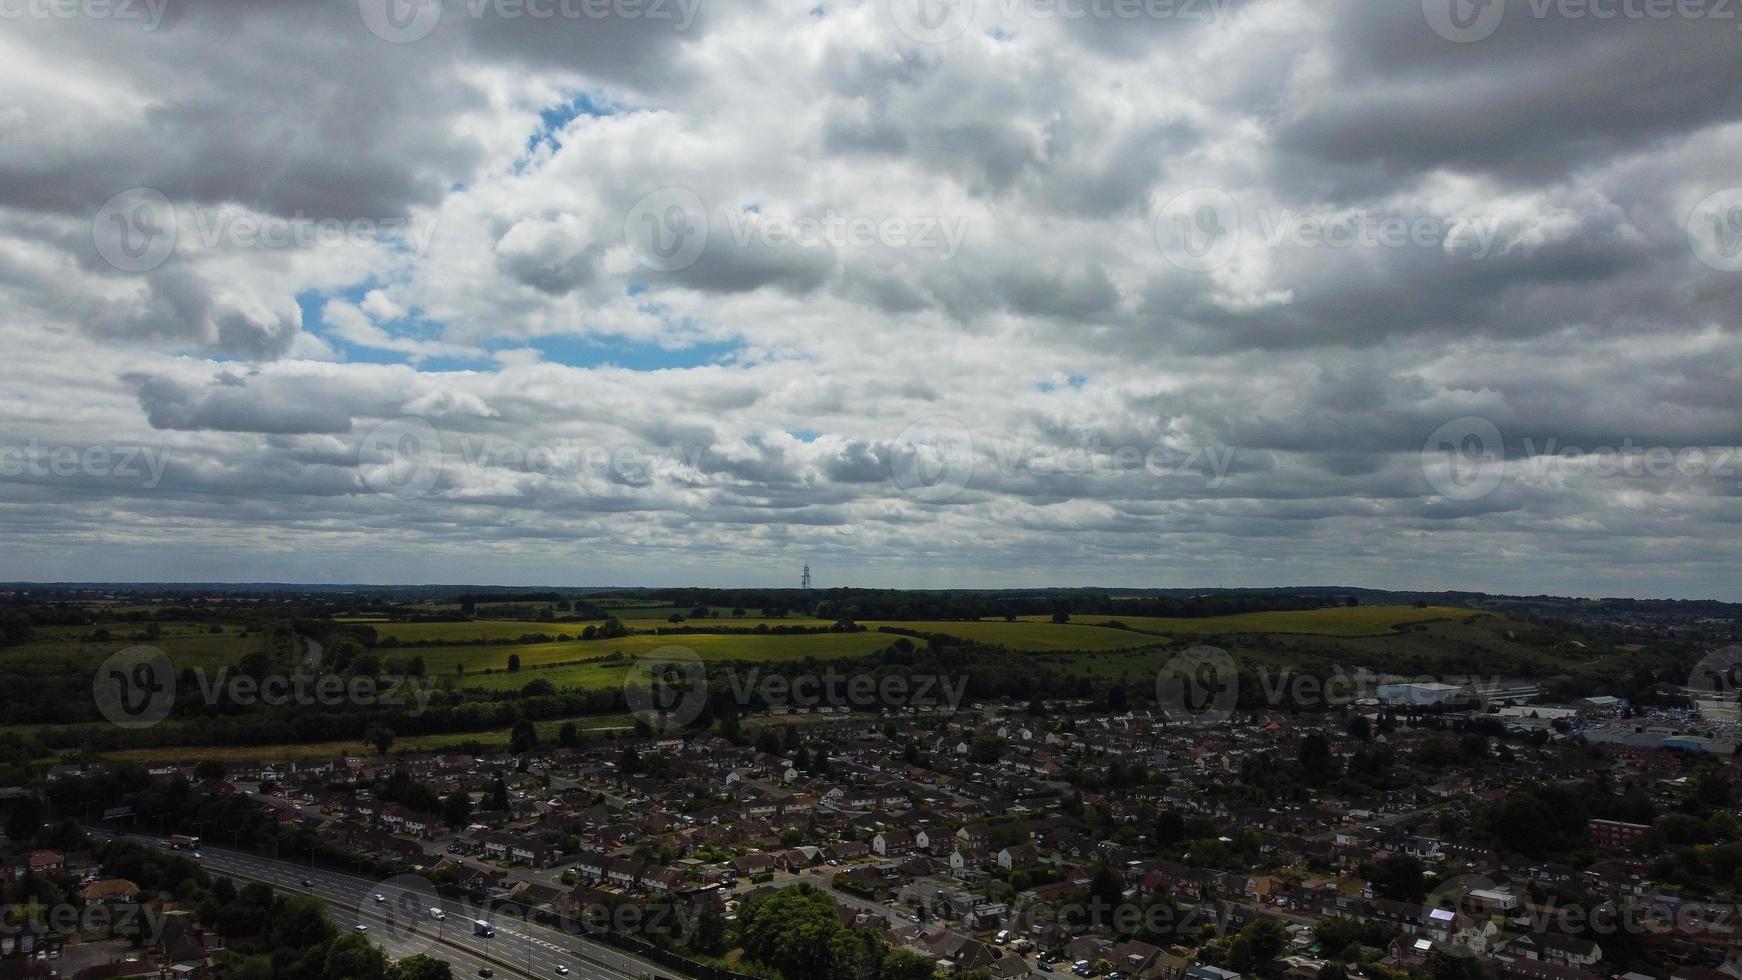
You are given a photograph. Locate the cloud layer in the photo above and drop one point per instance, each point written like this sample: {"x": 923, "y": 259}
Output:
{"x": 1142, "y": 292}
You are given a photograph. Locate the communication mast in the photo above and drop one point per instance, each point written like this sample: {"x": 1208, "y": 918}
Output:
{"x": 804, "y": 583}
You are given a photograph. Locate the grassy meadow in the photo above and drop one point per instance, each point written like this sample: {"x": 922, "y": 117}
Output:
{"x": 1330, "y": 621}
{"x": 600, "y": 664}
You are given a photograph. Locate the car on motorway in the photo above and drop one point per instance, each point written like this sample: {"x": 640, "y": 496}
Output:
{"x": 561, "y": 970}
{"x": 380, "y": 899}
{"x": 307, "y": 883}
{"x": 197, "y": 855}
{"x": 360, "y": 927}
{"x": 485, "y": 971}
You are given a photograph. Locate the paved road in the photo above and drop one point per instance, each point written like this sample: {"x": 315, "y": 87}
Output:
{"x": 402, "y": 925}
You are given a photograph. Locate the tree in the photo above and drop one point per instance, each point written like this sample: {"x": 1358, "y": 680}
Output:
{"x": 379, "y": 736}
{"x": 352, "y": 957}
{"x": 710, "y": 937}
{"x": 1443, "y": 965}
{"x": 798, "y": 932}
{"x": 568, "y": 736}
{"x": 731, "y": 729}
{"x": 1316, "y": 757}
{"x": 24, "y": 819}
{"x": 1106, "y": 893}
{"x": 1239, "y": 954}
{"x": 1264, "y": 938}
{"x": 457, "y": 808}
{"x": 513, "y": 663}
{"x": 1170, "y": 828}
{"x": 420, "y": 967}
{"x": 523, "y": 737}
{"x": 499, "y": 795}
{"x": 1399, "y": 878}
{"x": 988, "y": 749}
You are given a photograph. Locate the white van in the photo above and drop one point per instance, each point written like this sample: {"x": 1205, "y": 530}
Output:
{"x": 437, "y": 914}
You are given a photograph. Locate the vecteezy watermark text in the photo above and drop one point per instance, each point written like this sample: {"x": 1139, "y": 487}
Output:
{"x": 668, "y": 689}
{"x": 840, "y": 231}
{"x": 1204, "y": 685}
{"x": 405, "y": 21}
{"x": 937, "y": 21}
{"x": 138, "y": 230}
{"x": 67, "y": 919}
{"x": 1201, "y": 229}
{"x": 137, "y": 687}
{"x": 34, "y": 459}
{"x": 1469, "y": 21}
{"x": 934, "y": 459}
{"x": 1466, "y": 459}
{"x": 668, "y": 230}
{"x": 148, "y": 14}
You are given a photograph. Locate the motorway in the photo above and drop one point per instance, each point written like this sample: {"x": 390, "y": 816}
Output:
{"x": 402, "y": 926}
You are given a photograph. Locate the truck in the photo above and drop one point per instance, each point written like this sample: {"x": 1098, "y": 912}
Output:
{"x": 482, "y": 928}
{"x": 183, "y": 841}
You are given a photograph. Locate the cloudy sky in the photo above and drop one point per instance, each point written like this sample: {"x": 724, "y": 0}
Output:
{"x": 1415, "y": 293}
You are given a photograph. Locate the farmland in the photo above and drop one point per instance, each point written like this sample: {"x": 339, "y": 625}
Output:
{"x": 467, "y": 660}
{"x": 441, "y": 661}
{"x": 508, "y": 630}
{"x": 188, "y": 645}
{"x": 1330, "y": 621}
{"x": 1029, "y": 636}
{"x": 490, "y": 740}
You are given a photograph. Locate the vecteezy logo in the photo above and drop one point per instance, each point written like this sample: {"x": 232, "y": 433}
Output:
{"x": 1199, "y": 229}
{"x": 668, "y": 229}
{"x": 135, "y": 687}
{"x": 1465, "y": 459}
{"x": 667, "y": 688}
{"x": 401, "y": 458}
{"x": 1464, "y": 21}
{"x": 1719, "y": 674}
{"x": 1715, "y": 230}
{"x": 932, "y": 459}
{"x": 134, "y": 231}
{"x": 1200, "y": 684}
{"x": 400, "y": 21}
{"x": 931, "y": 21}
{"x": 399, "y": 910}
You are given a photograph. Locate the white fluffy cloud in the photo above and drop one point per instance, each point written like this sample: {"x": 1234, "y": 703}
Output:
{"x": 1164, "y": 293}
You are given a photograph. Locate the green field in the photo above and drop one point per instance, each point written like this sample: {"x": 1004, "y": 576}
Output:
{"x": 1039, "y": 636}
{"x": 188, "y": 645}
{"x": 441, "y": 661}
{"x": 1330, "y": 621}
{"x": 501, "y": 630}
{"x": 479, "y": 629}
{"x": 647, "y": 617}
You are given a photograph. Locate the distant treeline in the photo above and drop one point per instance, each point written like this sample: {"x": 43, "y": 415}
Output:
{"x": 857, "y": 604}
{"x": 933, "y": 606}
